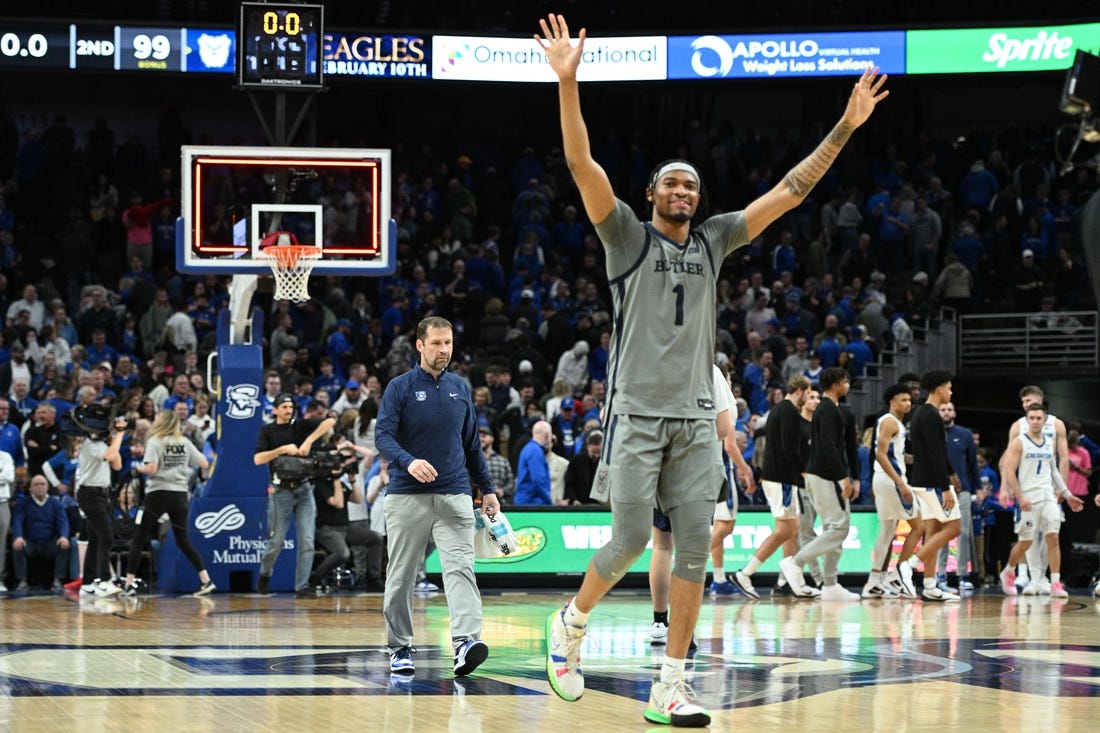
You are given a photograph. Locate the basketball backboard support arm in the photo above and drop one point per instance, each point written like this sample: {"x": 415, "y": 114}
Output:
{"x": 241, "y": 290}
{"x": 277, "y": 133}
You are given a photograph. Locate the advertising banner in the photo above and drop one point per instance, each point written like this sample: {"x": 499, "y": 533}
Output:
{"x": 987, "y": 50}
{"x": 368, "y": 54}
{"x": 562, "y": 542}
{"x": 472, "y": 58}
{"x": 789, "y": 54}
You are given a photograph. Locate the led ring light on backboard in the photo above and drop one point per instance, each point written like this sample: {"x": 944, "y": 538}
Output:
{"x": 337, "y": 199}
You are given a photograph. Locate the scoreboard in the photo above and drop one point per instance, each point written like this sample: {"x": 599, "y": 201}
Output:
{"x": 27, "y": 44}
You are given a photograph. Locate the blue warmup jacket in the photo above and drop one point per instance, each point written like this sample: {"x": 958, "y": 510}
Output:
{"x": 420, "y": 417}
{"x": 963, "y": 456}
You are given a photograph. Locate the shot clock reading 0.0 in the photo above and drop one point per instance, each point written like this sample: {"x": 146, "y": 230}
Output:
{"x": 280, "y": 46}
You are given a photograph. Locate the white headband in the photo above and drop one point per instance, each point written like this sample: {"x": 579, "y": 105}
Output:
{"x": 676, "y": 165}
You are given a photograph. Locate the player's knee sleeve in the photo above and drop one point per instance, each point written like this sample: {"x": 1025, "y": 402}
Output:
{"x": 630, "y": 532}
{"x": 691, "y": 535}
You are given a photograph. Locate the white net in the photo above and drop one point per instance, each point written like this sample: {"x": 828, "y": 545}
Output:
{"x": 292, "y": 266}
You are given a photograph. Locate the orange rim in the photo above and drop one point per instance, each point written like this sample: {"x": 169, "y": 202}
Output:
{"x": 288, "y": 255}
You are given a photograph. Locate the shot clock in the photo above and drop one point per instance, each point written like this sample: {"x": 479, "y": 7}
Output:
{"x": 280, "y": 46}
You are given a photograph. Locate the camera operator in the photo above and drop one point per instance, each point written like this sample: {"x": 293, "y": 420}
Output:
{"x": 334, "y": 531}
{"x": 168, "y": 460}
{"x": 288, "y": 437}
{"x": 93, "y": 495}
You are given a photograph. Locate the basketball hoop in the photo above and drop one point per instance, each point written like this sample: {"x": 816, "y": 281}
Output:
{"x": 291, "y": 264}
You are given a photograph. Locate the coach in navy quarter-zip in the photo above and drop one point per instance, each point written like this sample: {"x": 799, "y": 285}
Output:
{"x": 427, "y": 430}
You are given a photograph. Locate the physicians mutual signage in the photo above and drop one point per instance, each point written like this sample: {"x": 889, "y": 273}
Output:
{"x": 983, "y": 50}
{"x": 473, "y": 58}
{"x": 792, "y": 55}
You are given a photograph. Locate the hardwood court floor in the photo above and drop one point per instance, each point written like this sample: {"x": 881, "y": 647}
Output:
{"x": 247, "y": 663}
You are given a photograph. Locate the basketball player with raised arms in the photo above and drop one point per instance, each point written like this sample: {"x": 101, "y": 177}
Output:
{"x": 894, "y": 500}
{"x": 1035, "y": 482}
{"x": 1031, "y": 574}
{"x": 659, "y": 444}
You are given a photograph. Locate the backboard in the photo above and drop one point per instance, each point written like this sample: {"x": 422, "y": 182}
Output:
{"x": 337, "y": 199}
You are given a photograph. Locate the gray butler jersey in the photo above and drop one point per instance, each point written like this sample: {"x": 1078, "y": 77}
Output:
{"x": 663, "y": 295}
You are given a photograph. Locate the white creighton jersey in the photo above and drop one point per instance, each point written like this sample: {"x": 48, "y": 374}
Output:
{"x": 663, "y": 293}
{"x": 1037, "y": 462}
{"x": 895, "y": 452}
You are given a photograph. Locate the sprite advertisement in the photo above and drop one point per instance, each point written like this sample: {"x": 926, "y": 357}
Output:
{"x": 557, "y": 542}
{"x": 983, "y": 50}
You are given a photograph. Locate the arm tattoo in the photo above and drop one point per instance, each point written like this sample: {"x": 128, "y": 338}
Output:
{"x": 806, "y": 174}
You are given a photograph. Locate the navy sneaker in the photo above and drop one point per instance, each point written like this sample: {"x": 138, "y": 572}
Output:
{"x": 469, "y": 654}
{"x": 401, "y": 661}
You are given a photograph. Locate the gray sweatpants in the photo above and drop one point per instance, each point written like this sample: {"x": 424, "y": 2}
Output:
{"x": 5, "y": 524}
{"x": 411, "y": 520}
{"x": 836, "y": 517}
{"x": 806, "y": 533}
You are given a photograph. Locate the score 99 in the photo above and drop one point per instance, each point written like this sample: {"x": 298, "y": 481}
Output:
{"x": 156, "y": 47}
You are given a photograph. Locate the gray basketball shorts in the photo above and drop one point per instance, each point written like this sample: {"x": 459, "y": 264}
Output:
{"x": 660, "y": 461}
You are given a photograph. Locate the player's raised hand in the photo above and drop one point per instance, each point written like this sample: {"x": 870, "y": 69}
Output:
{"x": 866, "y": 93}
{"x": 563, "y": 56}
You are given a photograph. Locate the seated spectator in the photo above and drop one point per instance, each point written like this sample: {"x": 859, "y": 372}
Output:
{"x": 40, "y": 528}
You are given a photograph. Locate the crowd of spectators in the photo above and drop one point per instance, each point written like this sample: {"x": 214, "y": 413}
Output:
{"x": 495, "y": 241}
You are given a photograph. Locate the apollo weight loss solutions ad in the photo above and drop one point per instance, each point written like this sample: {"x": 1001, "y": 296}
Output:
{"x": 796, "y": 55}
{"x": 987, "y": 50}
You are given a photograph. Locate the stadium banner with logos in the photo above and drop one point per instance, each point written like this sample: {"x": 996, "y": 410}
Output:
{"x": 480, "y": 58}
{"x": 562, "y": 541}
{"x": 377, "y": 55}
{"x": 788, "y": 54}
{"x": 988, "y": 50}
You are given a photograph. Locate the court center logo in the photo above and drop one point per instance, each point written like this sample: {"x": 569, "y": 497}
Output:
{"x": 705, "y": 46}
{"x": 226, "y": 519}
{"x": 242, "y": 401}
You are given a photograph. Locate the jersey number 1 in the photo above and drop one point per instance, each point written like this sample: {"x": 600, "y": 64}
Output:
{"x": 679, "y": 290}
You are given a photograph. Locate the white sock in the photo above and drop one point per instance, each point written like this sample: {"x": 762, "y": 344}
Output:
{"x": 930, "y": 582}
{"x": 672, "y": 670}
{"x": 914, "y": 561}
{"x": 875, "y": 578}
{"x": 1021, "y": 571}
{"x": 719, "y": 574}
{"x": 1055, "y": 578}
{"x": 752, "y": 567}
{"x": 573, "y": 617}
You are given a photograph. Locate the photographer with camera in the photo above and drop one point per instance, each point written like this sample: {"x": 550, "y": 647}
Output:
{"x": 288, "y": 494}
{"x": 334, "y": 530}
{"x": 93, "y": 491}
{"x": 169, "y": 458}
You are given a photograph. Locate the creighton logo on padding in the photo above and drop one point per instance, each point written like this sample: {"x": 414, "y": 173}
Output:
{"x": 421, "y": 395}
{"x": 241, "y": 401}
